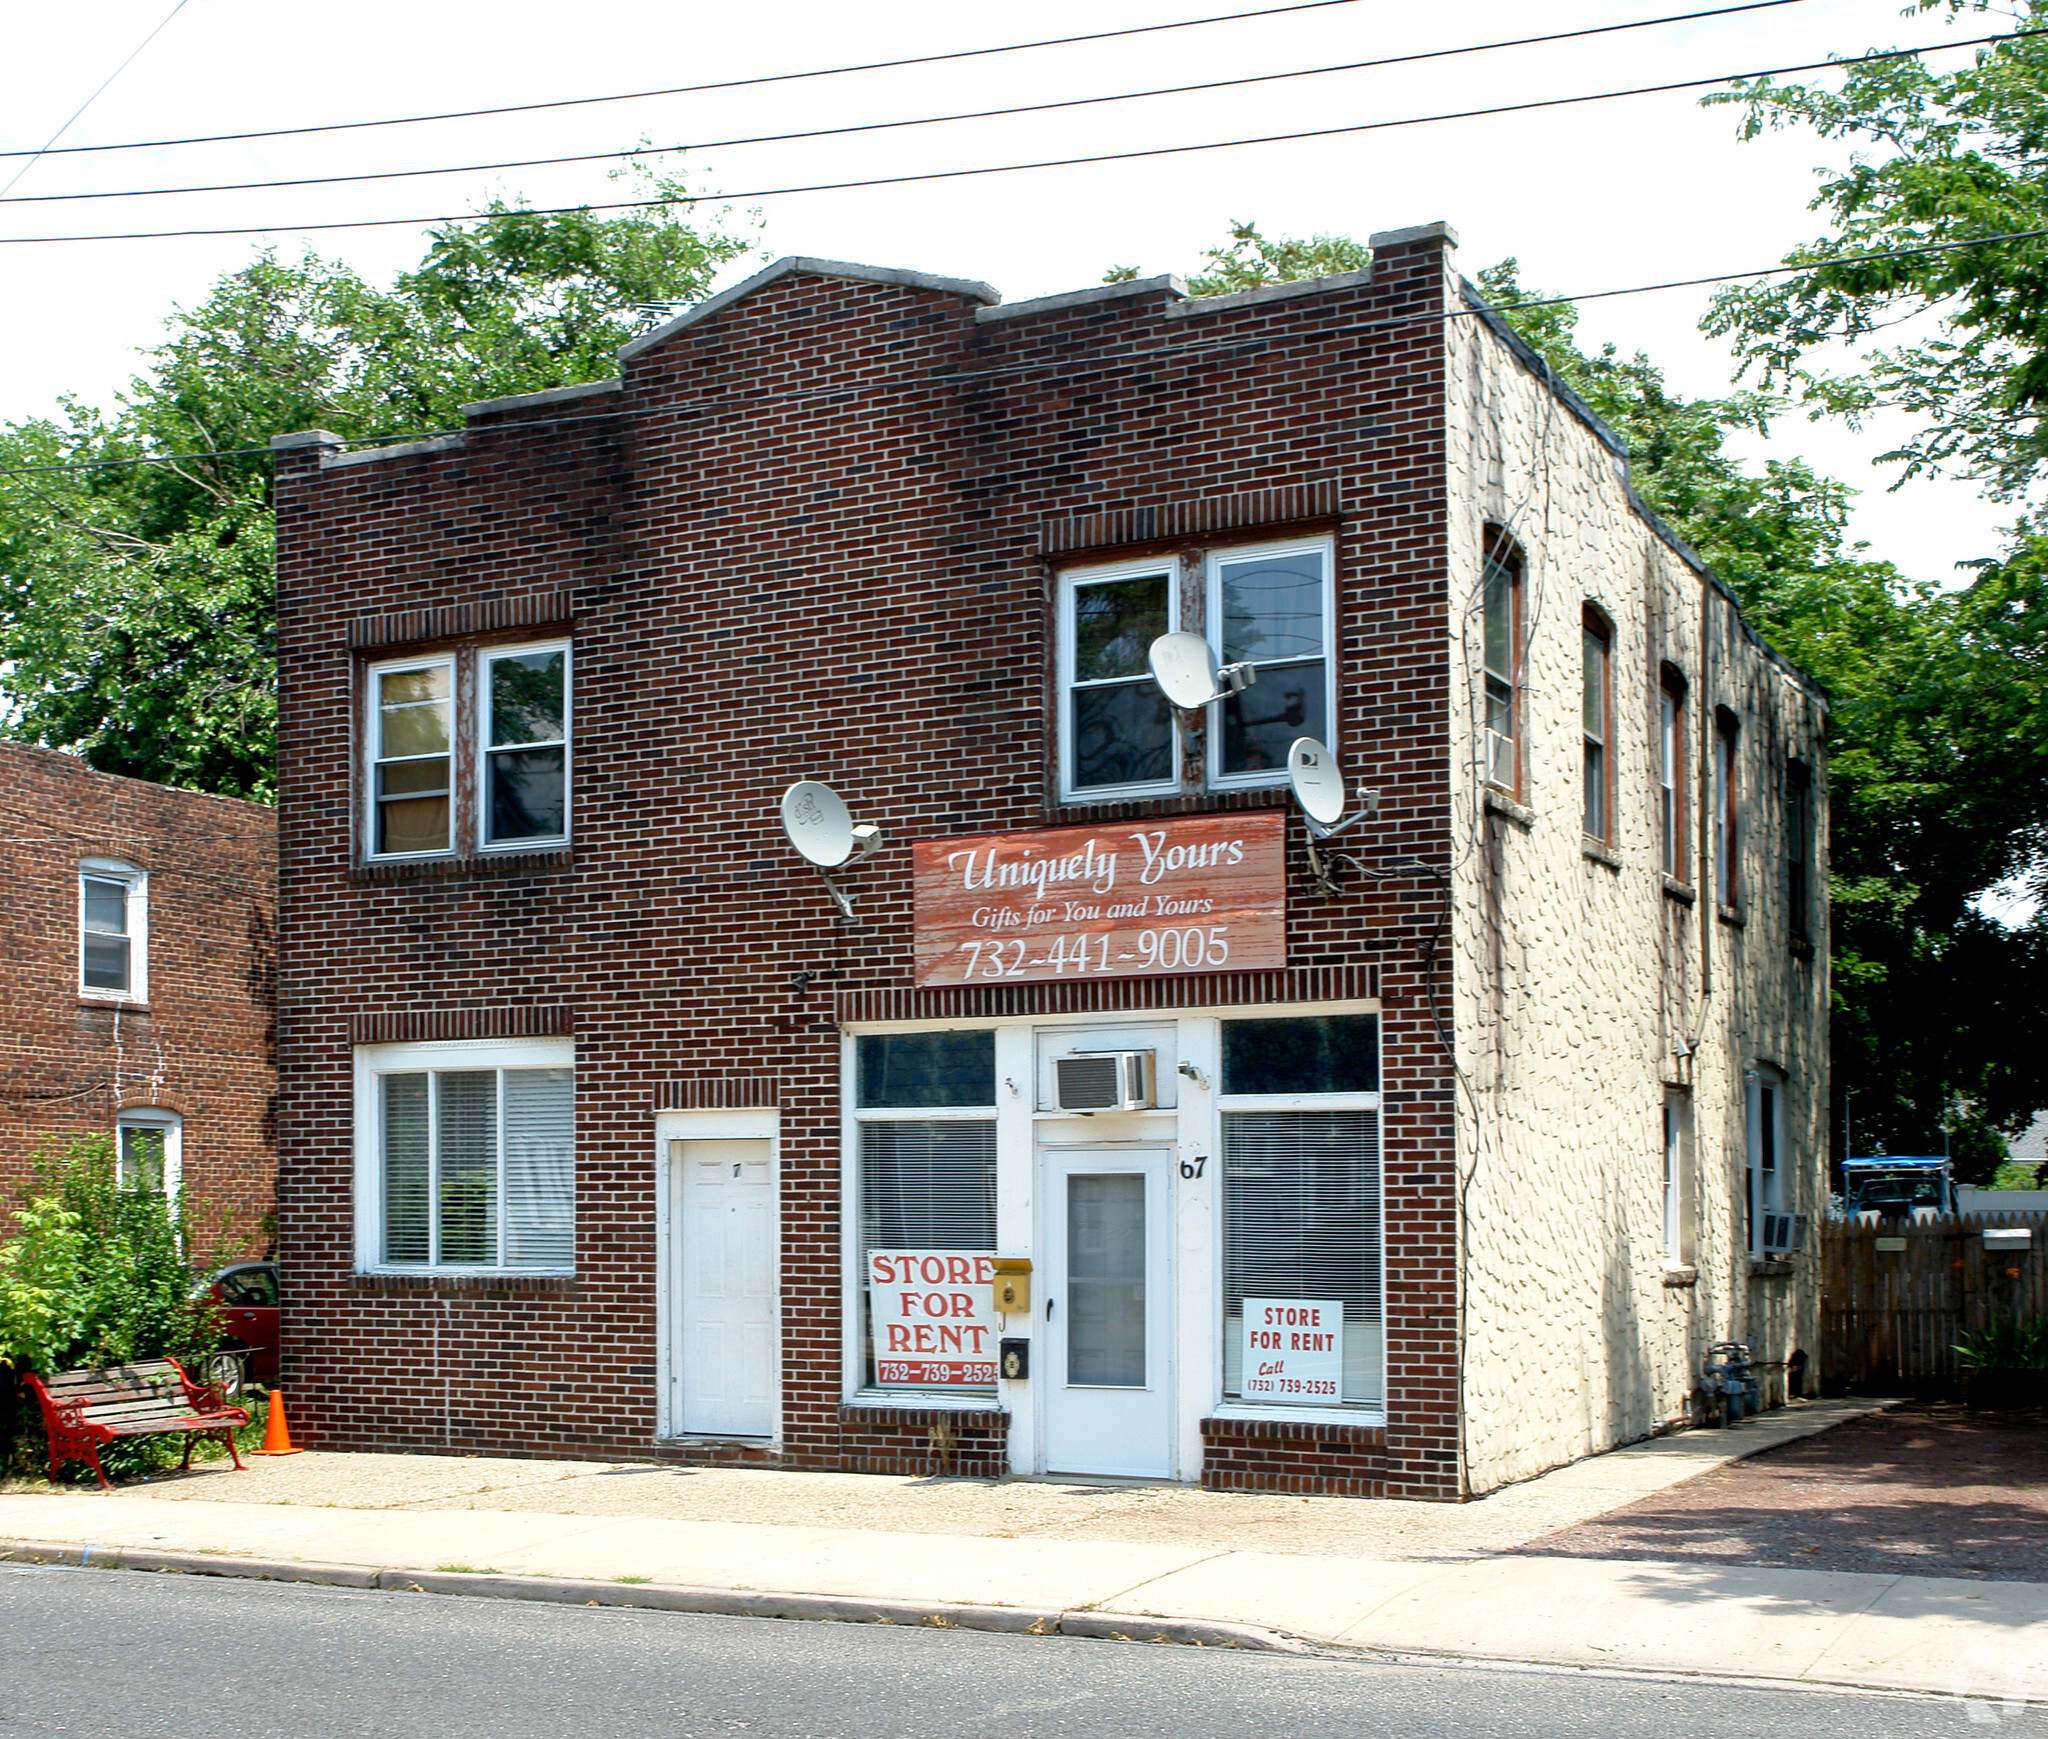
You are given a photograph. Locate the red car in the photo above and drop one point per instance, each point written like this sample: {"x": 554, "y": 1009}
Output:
{"x": 247, "y": 1294}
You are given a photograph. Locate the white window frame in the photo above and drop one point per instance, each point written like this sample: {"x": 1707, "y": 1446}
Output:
{"x": 373, "y": 744}
{"x": 136, "y": 914}
{"x": 1673, "y": 1202}
{"x": 173, "y": 1127}
{"x": 372, "y": 1063}
{"x": 1069, "y": 580}
{"x": 480, "y": 780}
{"x": 1764, "y": 1191}
{"x": 1213, "y": 563}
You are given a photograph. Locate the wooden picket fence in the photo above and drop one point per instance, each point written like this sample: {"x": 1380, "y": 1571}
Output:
{"x": 1891, "y": 1316}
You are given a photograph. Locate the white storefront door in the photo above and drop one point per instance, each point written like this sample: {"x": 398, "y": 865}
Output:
{"x": 1105, "y": 1321}
{"x": 723, "y": 1376}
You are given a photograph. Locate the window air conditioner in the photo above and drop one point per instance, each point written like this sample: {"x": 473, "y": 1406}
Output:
{"x": 1104, "y": 1081}
{"x": 1784, "y": 1232}
{"x": 1500, "y": 760}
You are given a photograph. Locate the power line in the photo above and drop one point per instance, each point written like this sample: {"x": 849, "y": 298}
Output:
{"x": 1236, "y": 341}
{"x": 919, "y": 121}
{"x": 35, "y": 157}
{"x": 1043, "y": 163}
{"x": 775, "y": 78}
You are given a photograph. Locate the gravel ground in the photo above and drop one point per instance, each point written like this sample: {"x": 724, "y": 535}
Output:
{"x": 1928, "y": 1489}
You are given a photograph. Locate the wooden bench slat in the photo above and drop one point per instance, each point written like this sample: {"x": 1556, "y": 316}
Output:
{"x": 151, "y": 1371}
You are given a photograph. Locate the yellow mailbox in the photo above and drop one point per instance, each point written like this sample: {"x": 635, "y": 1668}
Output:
{"x": 1012, "y": 1285}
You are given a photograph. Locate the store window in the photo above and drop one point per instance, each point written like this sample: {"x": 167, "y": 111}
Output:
{"x": 467, "y": 1157}
{"x": 927, "y": 1192}
{"x": 1302, "y": 1282}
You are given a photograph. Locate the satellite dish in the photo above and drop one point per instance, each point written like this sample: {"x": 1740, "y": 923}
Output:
{"x": 815, "y": 818}
{"x": 1182, "y": 667}
{"x": 1318, "y": 785}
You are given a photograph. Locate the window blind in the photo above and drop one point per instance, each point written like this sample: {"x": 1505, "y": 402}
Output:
{"x": 1301, "y": 1219}
{"x": 540, "y": 1168}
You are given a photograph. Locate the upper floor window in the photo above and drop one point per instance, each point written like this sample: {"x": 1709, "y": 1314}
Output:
{"x": 1501, "y": 608}
{"x": 1799, "y": 850}
{"x": 113, "y": 931}
{"x": 1671, "y": 820}
{"x": 1596, "y": 710}
{"x": 469, "y": 750}
{"x": 1270, "y": 608}
{"x": 1116, "y": 730}
{"x": 1727, "y": 809}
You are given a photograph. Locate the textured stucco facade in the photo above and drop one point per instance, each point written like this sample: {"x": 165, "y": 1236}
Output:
{"x": 1591, "y": 987}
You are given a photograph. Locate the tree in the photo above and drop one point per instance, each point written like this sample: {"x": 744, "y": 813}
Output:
{"x": 137, "y": 617}
{"x": 1938, "y": 734}
{"x": 1249, "y": 260}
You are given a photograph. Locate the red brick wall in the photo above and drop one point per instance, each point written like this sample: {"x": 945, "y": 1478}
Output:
{"x": 202, "y": 1044}
{"x": 810, "y": 537}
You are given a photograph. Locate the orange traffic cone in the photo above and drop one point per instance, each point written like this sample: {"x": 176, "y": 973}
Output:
{"x": 277, "y": 1435}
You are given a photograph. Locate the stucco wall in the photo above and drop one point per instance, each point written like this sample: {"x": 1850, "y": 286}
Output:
{"x": 1585, "y": 976}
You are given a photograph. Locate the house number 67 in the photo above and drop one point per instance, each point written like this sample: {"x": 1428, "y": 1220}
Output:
{"x": 1193, "y": 1167}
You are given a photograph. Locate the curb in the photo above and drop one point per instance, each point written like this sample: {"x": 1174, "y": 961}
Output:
{"x": 660, "y": 1597}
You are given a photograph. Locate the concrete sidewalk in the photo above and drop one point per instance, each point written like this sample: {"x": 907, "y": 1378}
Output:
{"x": 1984, "y": 1639}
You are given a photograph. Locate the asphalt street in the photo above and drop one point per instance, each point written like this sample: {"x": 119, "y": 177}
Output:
{"x": 92, "y": 1652}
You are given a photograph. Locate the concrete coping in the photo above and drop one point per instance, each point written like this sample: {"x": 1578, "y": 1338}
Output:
{"x": 1169, "y": 282}
{"x": 553, "y": 395}
{"x": 1270, "y": 293}
{"x": 404, "y": 450}
{"x": 968, "y": 289}
{"x": 304, "y": 438}
{"x": 1419, "y": 232}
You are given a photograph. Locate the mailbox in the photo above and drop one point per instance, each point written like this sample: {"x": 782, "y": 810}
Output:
{"x": 1012, "y": 1289}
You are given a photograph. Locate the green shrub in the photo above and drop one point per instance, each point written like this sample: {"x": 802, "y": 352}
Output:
{"x": 94, "y": 1274}
{"x": 2005, "y": 1343}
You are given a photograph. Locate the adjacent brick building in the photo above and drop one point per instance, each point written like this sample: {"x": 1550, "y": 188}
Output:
{"x": 138, "y": 967}
{"x": 603, "y": 1133}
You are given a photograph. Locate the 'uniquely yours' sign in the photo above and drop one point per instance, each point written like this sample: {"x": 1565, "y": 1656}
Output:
{"x": 933, "y": 1317}
{"x": 1194, "y": 893}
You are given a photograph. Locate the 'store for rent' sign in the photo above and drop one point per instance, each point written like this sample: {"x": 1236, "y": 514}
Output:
{"x": 1193, "y": 893}
{"x": 1294, "y": 1350}
{"x": 933, "y": 1317}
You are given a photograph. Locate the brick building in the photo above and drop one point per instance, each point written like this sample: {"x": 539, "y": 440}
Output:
{"x": 602, "y": 1134}
{"x": 138, "y": 964}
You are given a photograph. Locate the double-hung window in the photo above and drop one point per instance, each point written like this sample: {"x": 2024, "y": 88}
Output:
{"x": 113, "y": 931}
{"x": 927, "y": 1210}
{"x": 1302, "y": 1283}
{"x": 1671, "y": 818}
{"x": 1501, "y": 657}
{"x": 1270, "y": 608}
{"x": 1727, "y": 809}
{"x": 468, "y": 751}
{"x": 1596, "y": 708}
{"x": 1799, "y": 850}
{"x": 148, "y": 1151}
{"x": 466, "y": 1157}
{"x": 1116, "y": 729}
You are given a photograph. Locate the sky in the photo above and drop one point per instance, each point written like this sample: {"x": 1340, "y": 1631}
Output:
{"x": 1591, "y": 197}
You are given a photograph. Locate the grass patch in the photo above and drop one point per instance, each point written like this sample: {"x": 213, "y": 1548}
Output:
{"x": 632, "y": 1578}
{"x": 469, "y": 1569}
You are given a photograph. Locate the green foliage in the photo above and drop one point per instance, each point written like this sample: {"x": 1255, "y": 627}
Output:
{"x": 137, "y": 603}
{"x": 1935, "y": 156}
{"x": 2012, "y": 1175}
{"x": 1249, "y": 261}
{"x": 2005, "y": 1343}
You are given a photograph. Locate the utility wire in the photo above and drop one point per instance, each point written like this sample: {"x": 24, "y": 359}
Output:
{"x": 887, "y": 126}
{"x": 869, "y": 66}
{"x": 35, "y": 157}
{"x": 1235, "y": 341}
{"x": 1042, "y": 163}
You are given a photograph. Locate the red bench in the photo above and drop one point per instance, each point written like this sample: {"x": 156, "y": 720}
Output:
{"x": 83, "y": 1409}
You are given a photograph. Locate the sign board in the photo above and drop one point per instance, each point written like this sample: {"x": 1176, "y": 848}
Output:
{"x": 933, "y": 1318}
{"x": 1136, "y": 899}
{"x": 1293, "y": 1351}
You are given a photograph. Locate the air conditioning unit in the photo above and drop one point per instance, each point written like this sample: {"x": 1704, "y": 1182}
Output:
{"x": 1784, "y": 1232}
{"x": 1105, "y": 1081}
{"x": 1500, "y": 760}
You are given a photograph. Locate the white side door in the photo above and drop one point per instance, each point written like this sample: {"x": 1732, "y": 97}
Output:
{"x": 724, "y": 1349}
{"x": 1106, "y": 1317}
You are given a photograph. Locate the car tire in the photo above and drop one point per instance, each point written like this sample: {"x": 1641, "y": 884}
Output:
{"x": 224, "y": 1372}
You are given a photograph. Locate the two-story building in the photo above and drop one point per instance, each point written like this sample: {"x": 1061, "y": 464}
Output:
{"x": 138, "y": 966}
{"x": 1114, "y": 1134}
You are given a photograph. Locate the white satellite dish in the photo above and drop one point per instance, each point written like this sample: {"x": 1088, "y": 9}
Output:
{"x": 1186, "y": 671}
{"x": 1317, "y": 783}
{"x": 816, "y": 819}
